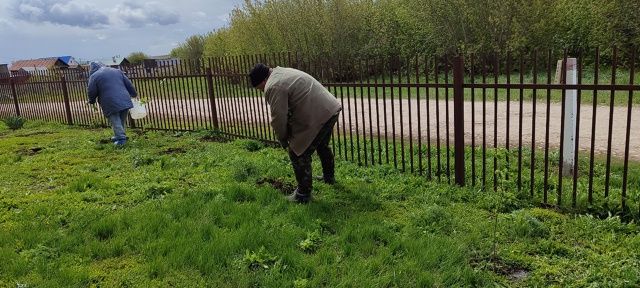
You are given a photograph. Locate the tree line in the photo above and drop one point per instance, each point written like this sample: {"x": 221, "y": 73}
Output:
{"x": 346, "y": 30}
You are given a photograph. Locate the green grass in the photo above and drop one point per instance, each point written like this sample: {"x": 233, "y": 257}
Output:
{"x": 172, "y": 210}
{"x": 414, "y": 159}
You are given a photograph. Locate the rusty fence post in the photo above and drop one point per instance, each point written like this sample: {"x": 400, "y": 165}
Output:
{"x": 458, "y": 118}
{"x": 67, "y": 105}
{"x": 15, "y": 96}
{"x": 212, "y": 100}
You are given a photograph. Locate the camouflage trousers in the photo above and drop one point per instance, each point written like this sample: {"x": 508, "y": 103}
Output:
{"x": 302, "y": 164}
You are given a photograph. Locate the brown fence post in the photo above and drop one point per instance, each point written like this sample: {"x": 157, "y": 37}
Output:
{"x": 67, "y": 105}
{"x": 15, "y": 96}
{"x": 458, "y": 117}
{"x": 212, "y": 100}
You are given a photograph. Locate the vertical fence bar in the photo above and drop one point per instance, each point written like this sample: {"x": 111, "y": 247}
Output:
{"x": 401, "y": 116}
{"x": 355, "y": 116}
{"x": 393, "y": 115}
{"x": 458, "y": 117}
{"x": 159, "y": 89}
{"x": 351, "y": 123}
{"x": 191, "y": 93}
{"x": 563, "y": 80}
{"x": 187, "y": 94}
{"x": 15, "y": 96}
{"x": 417, "y": 68}
{"x": 337, "y": 149}
{"x": 520, "y": 96}
{"x": 534, "y": 101}
{"x": 546, "y": 135}
{"x": 408, "y": 68}
{"x": 574, "y": 194}
{"x": 508, "y": 116}
{"x": 384, "y": 106}
{"x": 427, "y": 101}
{"x": 344, "y": 130}
{"x": 202, "y": 98}
{"x": 240, "y": 99}
{"x": 484, "y": 124}
{"x": 251, "y": 99}
{"x": 496, "y": 71}
{"x": 233, "y": 99}
{"x": 623, "y": 197}
{"x": 364, "y": 129}
{"x": 172, "y": 97}
{"x": 177, "y": 88}
{"x": 261, "y": 106}
{"x": 212, "y": 100}
{"x": 593, "y": 124}
{"x": 611, "y": 105}
{"x": 255, "y": 105}
{"x": 377, "y": 97}
{"x": 439, "y": 166}
{"x": 247, "y": 108}
{"x": 447, "y": 124}
{"x": 224, "y": 94}
{"x": 196, "y": 94}
{"x": 67, "y": 104}
{"x": 473, "y": 122}
{"x": 371, "y": 136}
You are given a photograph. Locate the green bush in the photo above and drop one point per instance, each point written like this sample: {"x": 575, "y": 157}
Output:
{"x": 14, "y": 122}
{"x": 251, "y": 145}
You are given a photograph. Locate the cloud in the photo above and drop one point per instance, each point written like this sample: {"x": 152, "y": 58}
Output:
{"x": 62, "y": 12}
{"x": 149, "y": 13}
{"x": 5, "y": 24}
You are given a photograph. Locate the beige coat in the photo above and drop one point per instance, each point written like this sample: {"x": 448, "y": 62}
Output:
{"x": 300, "y": 105}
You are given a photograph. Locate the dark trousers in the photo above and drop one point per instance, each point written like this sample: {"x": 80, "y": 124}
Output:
{"x": 302, "y": 164}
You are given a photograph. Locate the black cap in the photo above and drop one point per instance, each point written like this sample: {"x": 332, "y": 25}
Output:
{"x": 259, "y": 73}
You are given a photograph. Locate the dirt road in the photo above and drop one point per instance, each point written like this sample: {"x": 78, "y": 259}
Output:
{"x": 254, "y": 110}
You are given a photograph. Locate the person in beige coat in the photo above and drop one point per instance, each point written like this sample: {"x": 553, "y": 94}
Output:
{"x": 303, "y": 113}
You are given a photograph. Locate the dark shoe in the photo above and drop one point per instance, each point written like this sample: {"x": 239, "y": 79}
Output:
{"x": 329, "y": 181}
{"x": 299, "y": 198}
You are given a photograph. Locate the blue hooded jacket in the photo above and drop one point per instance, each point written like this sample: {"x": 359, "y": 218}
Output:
{"x": 111, "y": 88}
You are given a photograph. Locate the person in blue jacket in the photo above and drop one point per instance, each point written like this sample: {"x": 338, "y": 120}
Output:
{"x": 113, "y": 90}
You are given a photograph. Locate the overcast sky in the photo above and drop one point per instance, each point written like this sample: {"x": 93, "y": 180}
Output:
{"x": 93, "y": 29}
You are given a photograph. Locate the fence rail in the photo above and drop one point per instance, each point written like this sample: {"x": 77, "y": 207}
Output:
{"x": 495, "y": 122}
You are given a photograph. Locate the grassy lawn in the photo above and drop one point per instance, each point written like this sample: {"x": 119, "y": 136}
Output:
{"x": 172, "y": 209}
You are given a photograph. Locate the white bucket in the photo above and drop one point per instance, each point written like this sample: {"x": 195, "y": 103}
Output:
{"x": 139, "y": 110}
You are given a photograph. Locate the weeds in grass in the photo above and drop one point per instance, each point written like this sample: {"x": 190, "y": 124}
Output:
{"x": 260, "y": 259}
{"x": 158, "y": 191}
{"x": 311, "y": 243}
{"x": 243, "y": 169}
{"x": 252, "y": 145}
{"x": 14, "y": 122}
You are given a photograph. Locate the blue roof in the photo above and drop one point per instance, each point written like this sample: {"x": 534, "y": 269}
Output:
{"x": 65, "y": 59}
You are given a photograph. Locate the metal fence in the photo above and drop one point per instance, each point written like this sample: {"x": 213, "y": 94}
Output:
{"x": 495, "y": 122}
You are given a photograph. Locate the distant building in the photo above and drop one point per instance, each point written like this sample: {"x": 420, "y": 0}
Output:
{"x": 161, "y": 61}
{"x": 4, "y": 69}
{"x": 115, "y": 62}
{"x": 69, "y": 60}
{"x": 160, "y": 65}
{"x": 35, "y": 65}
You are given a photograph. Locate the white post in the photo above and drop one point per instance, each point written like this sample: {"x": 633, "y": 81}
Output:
{"x": 570, "y": 111}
